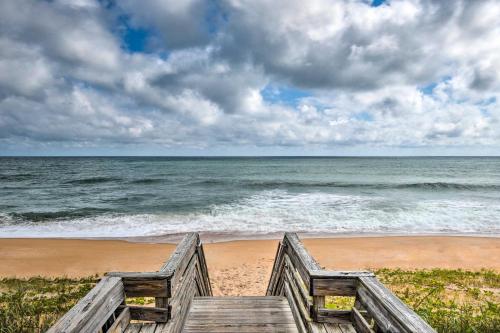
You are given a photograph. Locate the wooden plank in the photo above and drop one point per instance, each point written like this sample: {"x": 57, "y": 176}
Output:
{"x": 332, "y": 328}
{"x": 94, "y": 309}
{"x": 147, "y": 284}
{"x": 180, "y": 317}
{"x": 326, "y": 274}
{"x": 296, "y": 280}
{"x": 183, "y": 296}
{"x": 274, "y": 272}
{"x": 317, "y": 327}
{"x": 204, "y": 269}
{"x": 256, "y": 314}
{"x": 406, "y": 319}
{"x": 148, "y": 313}
{"x": 335, "y": 286}
{"x": 148, "y": 328}
{"x": 121, "y": 322}
{"x": 301, "y": 323}
{"x": 347, "y": 328}
{"x": 360, "y": 322}
{"x": 302, "y": 260}
{"x": 279, "y": 288}
{"x": 177, "y": 263}
{"x": 303, "y": 307}
{"x": 384, "y": 319}
{"x": 333, "y": 316}
{"x": 133, "y": 328}
{"x": 182, "y": 254}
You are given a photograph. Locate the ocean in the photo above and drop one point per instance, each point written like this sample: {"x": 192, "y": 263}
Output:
{"x": 248, "y": 197}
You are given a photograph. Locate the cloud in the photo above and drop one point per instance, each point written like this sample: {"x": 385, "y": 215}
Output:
{"x": 403, "y": 74}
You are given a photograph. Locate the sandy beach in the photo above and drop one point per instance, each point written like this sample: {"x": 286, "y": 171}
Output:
{"x": 243, "y": 267}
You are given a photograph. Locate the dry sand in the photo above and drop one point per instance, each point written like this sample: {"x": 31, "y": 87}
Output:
{"x": 243, "y": 267}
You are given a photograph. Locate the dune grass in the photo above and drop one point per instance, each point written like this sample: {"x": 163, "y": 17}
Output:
{"x": 450, "y": 300}
{"x": 33, "y": 305}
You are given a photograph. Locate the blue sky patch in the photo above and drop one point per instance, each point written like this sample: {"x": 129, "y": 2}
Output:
{"x": 376, "y": 3}
{"x": 365, "y": 116}
{"x": 134, "y": 39}
{"x": 427, "y": 90}
{"x": 283, "y": 95}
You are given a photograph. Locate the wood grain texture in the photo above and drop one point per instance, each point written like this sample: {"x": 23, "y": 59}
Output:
{"x": 121, "y": 322}
{"x": 94, "y": 309}
{"x": 253, "y": 314}
{"x": 390, "y": 313}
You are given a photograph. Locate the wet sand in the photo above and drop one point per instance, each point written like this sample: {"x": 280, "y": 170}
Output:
{"x": 243, "y": 267}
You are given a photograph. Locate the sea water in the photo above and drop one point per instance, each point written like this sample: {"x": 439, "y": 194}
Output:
{"x": 248, "y": 196}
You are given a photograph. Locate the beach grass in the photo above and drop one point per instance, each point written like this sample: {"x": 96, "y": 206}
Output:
{"x": 455, "y": 301}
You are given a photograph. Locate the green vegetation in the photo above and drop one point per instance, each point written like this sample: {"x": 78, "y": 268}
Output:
{"x": 32, "y": 305}
{"x": 450, "y": 300}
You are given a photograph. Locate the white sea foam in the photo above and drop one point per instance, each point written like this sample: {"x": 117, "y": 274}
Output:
{"x": 276, "y": 211}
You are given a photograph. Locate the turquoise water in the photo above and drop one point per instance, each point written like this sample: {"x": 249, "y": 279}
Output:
{"x": 137, "y": 196}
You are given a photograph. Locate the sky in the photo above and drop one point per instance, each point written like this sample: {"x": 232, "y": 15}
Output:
{"x": 249, "y": 77}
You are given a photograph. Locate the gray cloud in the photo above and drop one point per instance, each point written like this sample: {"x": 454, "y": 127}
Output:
{"x": 65, "y": 79}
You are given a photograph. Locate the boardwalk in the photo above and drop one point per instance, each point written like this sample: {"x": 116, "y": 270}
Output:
{"x": 294, "y": 301}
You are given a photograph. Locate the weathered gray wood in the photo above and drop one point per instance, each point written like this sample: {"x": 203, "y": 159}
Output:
{"x": 133, "y": 328}
{"x": 278, "y": 288}
{"x": 148, "y": 328}
{"x": 303, "y": 307}
{"x": 121, "y": 322}
{"x": 177, "y": 263}
{"x": 147, "y": 284}
{"x": 333, "y": 316}
{"x": 294, "y": 278}
{"x": 402, "y": 317}
{"x": 347, "y": 328}
{"x": 179, "y": 259}
{"x": 360, "y": 322}
{"x": 211, "y": 314}
{"x": 332, "y": 328}
{"x": 326, "y": 274}
{"x": 335, "y": 286}
{"x": 302, "y": 260}
{"x": 204, "y": 269}
{"x": 302, "y": 325}
{"x": 148, "y": 313}
{"x": 183, "y": 296}
{"x": 273, "y": 280}
{"x": 94, "y": 309}
{"x": 384, "y": 319}
{"x": 317, "y": 327}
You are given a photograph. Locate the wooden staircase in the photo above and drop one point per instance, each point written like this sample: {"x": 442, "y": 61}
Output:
{"x": 294, "y": 301}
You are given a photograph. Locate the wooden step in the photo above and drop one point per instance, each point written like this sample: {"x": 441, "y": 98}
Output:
{"x": 240, "y": 315}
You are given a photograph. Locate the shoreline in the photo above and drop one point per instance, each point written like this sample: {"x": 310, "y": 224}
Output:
{"x": 221, "y": 237}
{"x": 243, "y": 267}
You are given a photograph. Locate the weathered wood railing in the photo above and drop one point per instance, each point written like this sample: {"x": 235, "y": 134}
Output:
{"x": 180, "y": 279}
{"x": 300, "y": 278}
{"x": 296, "y": 276}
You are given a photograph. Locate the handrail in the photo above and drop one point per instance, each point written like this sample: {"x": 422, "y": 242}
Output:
{"x": 94, "y": 310}
{"x": 296, "y": 275}
{"x": 182, "y": 277}
{"x": 301, "y": 279}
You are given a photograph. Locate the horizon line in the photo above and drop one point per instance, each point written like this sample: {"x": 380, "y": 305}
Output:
{"x": 240, "y": 156}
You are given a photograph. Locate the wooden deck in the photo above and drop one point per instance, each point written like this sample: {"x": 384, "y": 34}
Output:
{"x": 294, "y": 301}
{"x": 240, "y": 315}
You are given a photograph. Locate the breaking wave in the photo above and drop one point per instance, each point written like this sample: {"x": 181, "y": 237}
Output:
{"x": 270, "y": 212}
